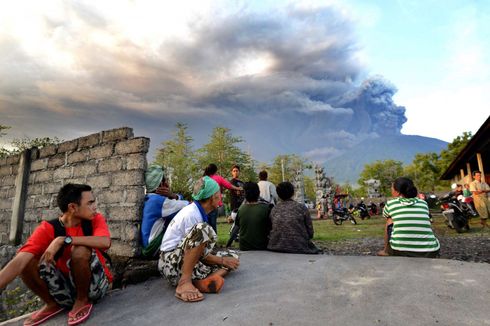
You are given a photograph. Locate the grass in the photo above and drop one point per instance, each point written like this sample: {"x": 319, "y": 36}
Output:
{"x": 326, "y": 231}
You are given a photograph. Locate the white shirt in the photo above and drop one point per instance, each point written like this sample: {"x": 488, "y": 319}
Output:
{"x": 181, "y": 224}
{"x": 268, "y": 191}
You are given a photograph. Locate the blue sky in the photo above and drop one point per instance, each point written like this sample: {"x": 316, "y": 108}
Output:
{"x": 323, "y": 74}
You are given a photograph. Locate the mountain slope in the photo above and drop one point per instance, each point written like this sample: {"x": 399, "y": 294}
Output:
{"x": 348, "y": 166}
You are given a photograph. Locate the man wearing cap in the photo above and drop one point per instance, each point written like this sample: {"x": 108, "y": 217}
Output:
{"x": 160, "y": 207}
{"x": 186, "y": 260}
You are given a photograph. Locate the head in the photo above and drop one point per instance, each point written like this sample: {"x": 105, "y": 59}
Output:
{"x": 154, "y": 178}
{"x": 77, "y": 200}
{"x": 211, "y": 169}
{"x": 235, "y": 171}
{"x": 403, "y": 187}
{"x": 477, "y": 175}
{"x": 285, "y": 190}
{"x": 206, "y": 191}
{"x": 263, "y": 175}
{"x": 252, "y": 192}
{"x": 466, "y": 186}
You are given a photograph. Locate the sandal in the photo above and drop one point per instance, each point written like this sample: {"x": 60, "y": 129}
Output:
{"x": 185, "y": 296}
{"x": 210, "y": 284}
{"x": 39, "y": 317}
{"x": 79, "y": 316}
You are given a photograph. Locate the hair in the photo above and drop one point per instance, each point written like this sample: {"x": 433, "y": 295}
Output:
{"x": 285, "y": 190}
{"x": 71, "y": 193}
{"x": 475, "y": 172}
{"x": 405, "y": 187}
{"x": 263, "y": 175}
{"x": 210, "y": 169}
{"x": 236, "y": 167}
{"x": 252, "y": 191}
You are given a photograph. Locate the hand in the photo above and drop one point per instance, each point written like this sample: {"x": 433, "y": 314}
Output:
{"x": 230, "y": 262}
{"x": 54, "y": 246}
{"x": 165, "y": 191}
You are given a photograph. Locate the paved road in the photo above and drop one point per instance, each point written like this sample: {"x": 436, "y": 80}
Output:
{"x": 285, "y": 289}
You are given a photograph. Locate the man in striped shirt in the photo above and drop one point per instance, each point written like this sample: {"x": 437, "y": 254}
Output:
{"x": 408, "y": 230}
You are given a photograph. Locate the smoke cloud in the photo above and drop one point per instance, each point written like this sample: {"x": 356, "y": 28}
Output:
{"x": 288, "y": 80}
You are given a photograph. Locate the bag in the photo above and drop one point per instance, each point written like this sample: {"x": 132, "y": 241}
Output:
{"x": 59, "y": 231}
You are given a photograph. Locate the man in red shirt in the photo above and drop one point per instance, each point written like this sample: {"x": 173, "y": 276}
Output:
{"x": 66, "y": 272}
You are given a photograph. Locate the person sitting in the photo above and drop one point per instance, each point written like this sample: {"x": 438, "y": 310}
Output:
{"x": 408, "y": 231}
{"x": 253, "y": 220}
{"x": 267, "y": 189}
{"x": 159, "y": 208}
{"x": 66, "y": 271}
{"x": 292, "y": 228}
{"x": 186, "y": 260}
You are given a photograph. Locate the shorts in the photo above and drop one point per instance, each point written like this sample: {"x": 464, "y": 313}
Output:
{"x": 62, "y": 288}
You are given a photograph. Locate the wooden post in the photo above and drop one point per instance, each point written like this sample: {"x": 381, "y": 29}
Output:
{"x": 462, "y": 175}
{"x": 18, "y": 208}
{"x": 468, "y": 169}
{"x": 480, "y": 166}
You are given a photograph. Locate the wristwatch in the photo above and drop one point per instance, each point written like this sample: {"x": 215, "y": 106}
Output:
{"x": 68, "y": 240}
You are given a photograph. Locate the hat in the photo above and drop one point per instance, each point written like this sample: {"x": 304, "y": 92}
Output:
{"x": 204, "y": 188}
{"x": 153, "y": 177}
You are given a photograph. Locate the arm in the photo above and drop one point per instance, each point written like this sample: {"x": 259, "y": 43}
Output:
{"x": 96, "y": 242}
{"x": 14, "y": 268}
{"x": 308, "y": 223}
{"x": 228, "y": 262}
{"x": 224, "y": 183}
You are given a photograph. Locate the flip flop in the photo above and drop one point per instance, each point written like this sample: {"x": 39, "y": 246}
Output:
{"x": 210, "y": 284}
{"x": 38, "y": 317}
{"x": 183, "y": 296}
{"x": 79, "y": 316}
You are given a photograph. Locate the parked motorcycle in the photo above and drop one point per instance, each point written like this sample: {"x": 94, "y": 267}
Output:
{"x": 363, "y": 210}
{"x": 457, "y": 213}
{"x": 342, "y": 214}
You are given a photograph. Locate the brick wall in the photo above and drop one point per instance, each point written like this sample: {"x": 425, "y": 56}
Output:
{"x": 113, "y": 162}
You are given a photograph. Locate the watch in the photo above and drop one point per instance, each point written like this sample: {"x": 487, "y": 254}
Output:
{"x": 68, "y": 240}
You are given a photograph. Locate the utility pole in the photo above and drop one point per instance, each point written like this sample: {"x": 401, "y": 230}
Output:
{"x": 282, "y": 169}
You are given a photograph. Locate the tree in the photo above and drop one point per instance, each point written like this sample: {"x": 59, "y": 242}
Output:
{"x": 223, "y": 151}
{"x": 310, "y": 190}
{"x": 20, "y": 144}
{"x": 178, "y": 161}
{"x": 453, "y": 149}
{"x": 384, "y": 171}
{"x": 290, "y": 163}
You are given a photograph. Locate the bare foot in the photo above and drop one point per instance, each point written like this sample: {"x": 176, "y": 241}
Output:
{"x": 382, "y": 253}
{"x": 187, "y": 292}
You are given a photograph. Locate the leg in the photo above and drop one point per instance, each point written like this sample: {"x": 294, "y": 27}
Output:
{"x": 81, "y": 274}
{"x": 31, "y": 278}
{"x": 185, "y": 289}
{"x": 387, "y": 236}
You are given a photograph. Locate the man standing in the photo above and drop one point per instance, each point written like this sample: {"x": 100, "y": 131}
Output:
{"x": 68, "y": 271}
{"x": 267, "y": 188}
{"x": 479, "y": 191}
{"x": 236, "y": 196}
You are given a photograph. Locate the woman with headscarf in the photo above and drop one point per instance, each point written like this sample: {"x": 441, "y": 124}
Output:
{"x": 160, "y": 207}
{"x": 212, "y": 172}
{"x": 186, "y": 260}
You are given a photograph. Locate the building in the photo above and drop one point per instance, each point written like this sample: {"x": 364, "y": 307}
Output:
{"x": 474, "y": 156}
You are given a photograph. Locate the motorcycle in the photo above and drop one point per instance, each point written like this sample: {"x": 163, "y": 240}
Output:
{"x": 373, "y": 209}
{"x": 363, "y": 211}
{"x": 342, "y": 214}
{"x": 457, "y": 213}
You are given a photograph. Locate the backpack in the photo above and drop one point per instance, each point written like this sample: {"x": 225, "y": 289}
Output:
{"x": 59, "y": 231}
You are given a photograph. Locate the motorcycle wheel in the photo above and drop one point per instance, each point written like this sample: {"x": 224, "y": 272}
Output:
{"x": 336, "y": 220}
{"x": 353, "y": 220}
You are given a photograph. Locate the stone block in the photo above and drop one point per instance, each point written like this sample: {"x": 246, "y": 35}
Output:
{"x": 34, "y": 153}
{"x": 32, "y": 178}
{"x": 3, "y": 161}
{"x": 101, "y": 151}
{"x": 49, "y": 214}
{"x": 43, "y": 201}
{"x": 89, "y": 141}
{"x": 40, "y": 164}
{"x": 85, "y": 169}
{"x": 5, "y": 170}
{"x": 117, "y": 134}
{"x": 68, "y": 146}
{"x": 110, "y": 165}
{"x": 6, "y": 203}
{"x": 8, "y": 180}
{"x": 136, "y": 162}
{"x": 128, "y": 178}
{"x": 44, "y": 176}
{"x": 57, "y": 160}
{"x": 63, "y": 173}
{"x": 99, "y": 181}
{"x": 115, "y": 230}
{"x": 35, "y": 189}
{"x": 134, "y": 194}
{"x": 129, "y": 232}
{"x": 13, "y": 159}
{"x": 123, "y": 249}
{"x": 135, "y": 145}
{"x": 76, "y": 157}
{"x": 81, "y": 180}
{"x": 30, "y": 215}
{"x": 46, "y": 151}
{"x": 124, "y": 213}
{"x": 110, "y": 196}
{"x": 52, "y": 188}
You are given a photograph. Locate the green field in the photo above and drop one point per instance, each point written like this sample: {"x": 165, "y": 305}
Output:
{"x": 326, "y": 231}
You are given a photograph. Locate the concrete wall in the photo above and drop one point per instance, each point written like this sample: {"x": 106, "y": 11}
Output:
{"x": 113, "y": 162}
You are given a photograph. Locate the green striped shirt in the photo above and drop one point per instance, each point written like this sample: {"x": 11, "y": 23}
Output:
{"x": 411, "y": 225}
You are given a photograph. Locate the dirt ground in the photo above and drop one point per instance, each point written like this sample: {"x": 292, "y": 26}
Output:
{"x": 471, "y": 247}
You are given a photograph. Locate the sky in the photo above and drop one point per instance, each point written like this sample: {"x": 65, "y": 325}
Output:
{"x": 311, "y": 77}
